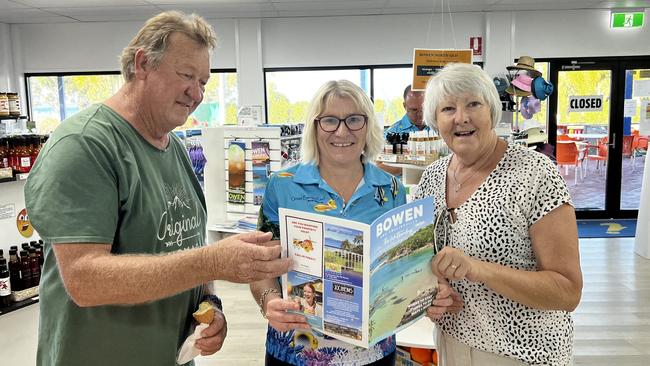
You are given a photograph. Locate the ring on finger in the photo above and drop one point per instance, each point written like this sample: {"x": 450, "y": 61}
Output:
{"x": 453, "y": 266}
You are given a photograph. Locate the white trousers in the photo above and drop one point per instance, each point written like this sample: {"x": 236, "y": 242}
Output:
{"x": 454, "y": 353}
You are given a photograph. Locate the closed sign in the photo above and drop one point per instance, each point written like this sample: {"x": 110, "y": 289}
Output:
{"x": 586, "y": 103}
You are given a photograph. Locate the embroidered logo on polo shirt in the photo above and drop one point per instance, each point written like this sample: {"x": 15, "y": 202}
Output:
{"x": 330, "y": 205}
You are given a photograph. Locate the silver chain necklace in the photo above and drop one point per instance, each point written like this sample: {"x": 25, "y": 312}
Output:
{"x": 459, "y": 185}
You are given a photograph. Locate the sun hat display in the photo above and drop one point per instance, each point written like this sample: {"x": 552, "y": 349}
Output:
{"x": 526, "y": 63}
{"x": 541, "y": 88}
{"x": 529, "y": 106}
{"x": 520, "y": 86}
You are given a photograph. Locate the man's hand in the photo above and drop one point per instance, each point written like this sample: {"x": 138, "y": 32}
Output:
{"x": 213, "y": 335}
{"x": 246, "y": 258}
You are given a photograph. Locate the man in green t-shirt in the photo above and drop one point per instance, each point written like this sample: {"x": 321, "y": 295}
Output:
{"x": 114, "y": 197}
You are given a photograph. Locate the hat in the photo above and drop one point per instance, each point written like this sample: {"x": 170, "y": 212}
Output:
{"x": 529, "y": 106}
{"x": 501, "y": 84}
{"x": 541, "y": 88}
{"x": 520, "y": 86}
{"x": 526, "y": 63}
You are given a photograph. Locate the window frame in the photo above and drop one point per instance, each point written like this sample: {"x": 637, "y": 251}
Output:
{"x": 28, "y": 97}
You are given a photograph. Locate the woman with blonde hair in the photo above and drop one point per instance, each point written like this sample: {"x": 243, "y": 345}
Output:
{"x": 336, "y": 177}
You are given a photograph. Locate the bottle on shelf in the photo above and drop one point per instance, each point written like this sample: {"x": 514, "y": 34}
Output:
{"x": 14, "y": 269}
{"x": 34, "y": 267}
{"x": 24, "y": 246}
{"x": 14, "y": 104}
{"x": 5, "y": 284}
{"x": 39, "y": 253}
{"x": 4, "y": 105}
{"x": 25, "y": 270}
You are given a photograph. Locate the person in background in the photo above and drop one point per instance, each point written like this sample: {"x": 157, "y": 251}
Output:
{"x": 412, "y": 121}
{"x": 123, "y": 217}
{"x": 336, "y": 177}
{"x": 507, "y": 234}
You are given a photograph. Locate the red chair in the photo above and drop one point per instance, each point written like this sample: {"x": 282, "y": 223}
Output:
{"x": 602, "y": 150}
{"x": 639, "y": 147}
{"x": 627, "y": 145}
{"x": 567, "y": 154}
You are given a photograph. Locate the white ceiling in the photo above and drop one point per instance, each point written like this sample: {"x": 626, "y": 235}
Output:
{"x": 70, "y": 11}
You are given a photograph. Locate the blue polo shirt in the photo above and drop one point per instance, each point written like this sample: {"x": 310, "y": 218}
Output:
{"x": 404, "y": 125}
{"x": 302, "y": 188}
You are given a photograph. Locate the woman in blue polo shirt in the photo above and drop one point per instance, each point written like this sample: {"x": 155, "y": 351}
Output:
{"x": 336, "y": 177}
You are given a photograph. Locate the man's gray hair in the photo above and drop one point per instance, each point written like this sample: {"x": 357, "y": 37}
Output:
{"x": 154, "y": 35}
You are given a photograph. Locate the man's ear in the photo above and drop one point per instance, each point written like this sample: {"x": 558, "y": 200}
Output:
{"x": 141, "y": 64}
{"x": 404, "y": 104}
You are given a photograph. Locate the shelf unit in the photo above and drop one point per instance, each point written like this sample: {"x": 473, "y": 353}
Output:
{"x": 18, "y": 305}
{"x": 222, "y": 215}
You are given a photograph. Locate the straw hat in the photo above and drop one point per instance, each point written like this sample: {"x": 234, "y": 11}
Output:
{"x": 526, "y": 63}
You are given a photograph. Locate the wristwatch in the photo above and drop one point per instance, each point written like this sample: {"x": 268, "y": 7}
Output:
{"x": 214, "y": 299}
{"x": 263, "y": 296}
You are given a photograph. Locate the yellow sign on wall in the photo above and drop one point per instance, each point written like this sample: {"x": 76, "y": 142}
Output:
{"x": 427, "y": 62}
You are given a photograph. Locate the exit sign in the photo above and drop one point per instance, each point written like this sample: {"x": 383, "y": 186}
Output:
{"x": 627, "y": 20}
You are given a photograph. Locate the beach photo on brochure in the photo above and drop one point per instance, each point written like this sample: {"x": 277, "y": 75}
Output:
{"x": 362, "y": 283}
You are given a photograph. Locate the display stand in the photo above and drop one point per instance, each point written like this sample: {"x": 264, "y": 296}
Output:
{"x": 222, "y": 215}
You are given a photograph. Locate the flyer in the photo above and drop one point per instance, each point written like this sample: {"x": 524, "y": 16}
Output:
{"x": 356, "y": 282}
{"x": 236, "y": 172}
{"x": 261, "y": 169}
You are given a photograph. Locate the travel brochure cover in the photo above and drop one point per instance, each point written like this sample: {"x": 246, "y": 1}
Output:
{"x": 356, "y": 282}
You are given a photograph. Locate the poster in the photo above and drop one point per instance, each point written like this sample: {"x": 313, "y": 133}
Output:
{"x": 261, "y": 169}
{"x": 237, "y": 172}
{"x": 644, "y": 120}
{"x": 356, "y": 282}
{"x": 427, "y": 62}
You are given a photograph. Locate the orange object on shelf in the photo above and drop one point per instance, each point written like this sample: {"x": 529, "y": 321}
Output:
{"x": 421, "y": 355}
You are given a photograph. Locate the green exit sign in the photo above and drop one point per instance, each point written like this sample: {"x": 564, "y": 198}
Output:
{"x": 627, "y": 20}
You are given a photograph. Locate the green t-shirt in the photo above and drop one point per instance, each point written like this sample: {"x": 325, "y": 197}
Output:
{"x": 98, "y": 181}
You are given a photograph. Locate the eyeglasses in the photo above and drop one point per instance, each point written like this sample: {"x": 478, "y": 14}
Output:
{"x": 353, "y": 122}
{"x": 441, "y": 230}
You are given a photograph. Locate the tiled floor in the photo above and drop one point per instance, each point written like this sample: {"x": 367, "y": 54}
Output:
{"x": 612, "y": 322}
{"x": 589, "y": 192}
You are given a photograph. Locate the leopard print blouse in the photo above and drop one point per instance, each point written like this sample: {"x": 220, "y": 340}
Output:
{"x": 493, "y": 225}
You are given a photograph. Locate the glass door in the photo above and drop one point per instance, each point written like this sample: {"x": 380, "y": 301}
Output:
{"x": 585, "y": 137}
{"x": 636, "y": 111}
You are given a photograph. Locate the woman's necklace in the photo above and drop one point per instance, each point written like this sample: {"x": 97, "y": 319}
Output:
{"x": 459, "y": 185}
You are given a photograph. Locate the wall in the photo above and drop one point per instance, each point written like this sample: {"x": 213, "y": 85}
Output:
{"x": 361, "y": 40}
{"x": 96, "y": 46}
{"x": 346, "y": 40}
{"x": 12, "y": 194}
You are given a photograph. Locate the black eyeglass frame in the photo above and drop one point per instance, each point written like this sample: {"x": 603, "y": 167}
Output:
{"x": 344, "y": 120}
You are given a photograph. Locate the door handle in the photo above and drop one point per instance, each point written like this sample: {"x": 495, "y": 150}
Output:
{"x": 613, "y": 144}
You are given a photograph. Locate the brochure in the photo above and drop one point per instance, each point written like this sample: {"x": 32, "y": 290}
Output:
{"x": 356, "y": 282}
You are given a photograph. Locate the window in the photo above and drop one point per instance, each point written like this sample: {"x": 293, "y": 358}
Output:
{"x": 288, "y": 92}
{"x": 54, "y": 98}
{"x": 388, "y": 92}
